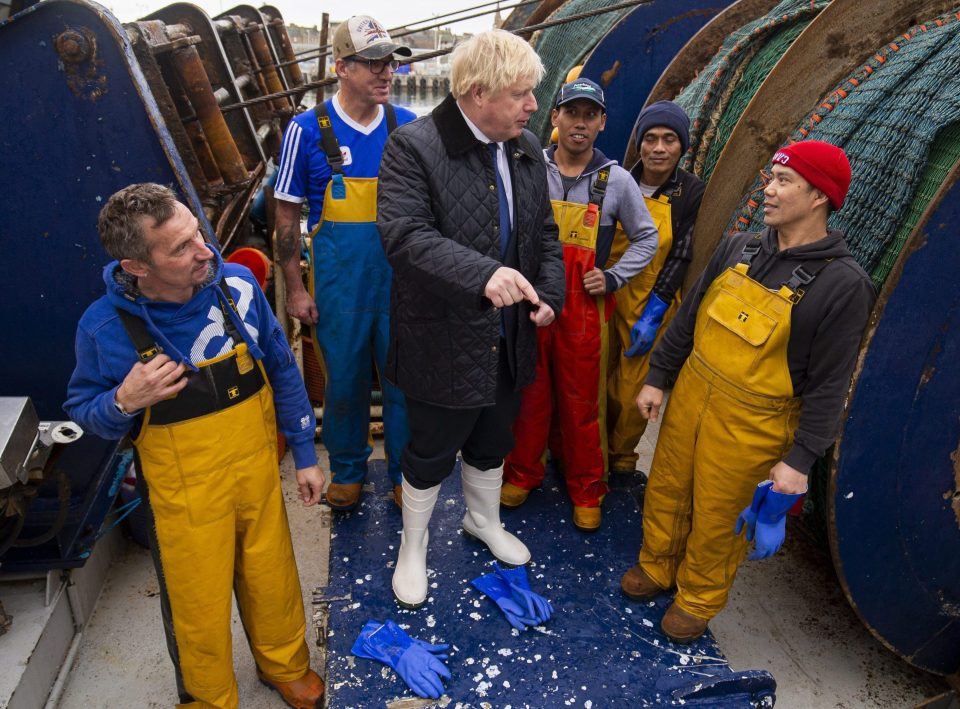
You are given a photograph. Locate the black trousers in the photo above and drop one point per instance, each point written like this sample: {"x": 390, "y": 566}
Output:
{"x": 482, "y": 435}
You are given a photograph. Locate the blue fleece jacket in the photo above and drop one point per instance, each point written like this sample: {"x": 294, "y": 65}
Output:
{"x": 191, "y": 333}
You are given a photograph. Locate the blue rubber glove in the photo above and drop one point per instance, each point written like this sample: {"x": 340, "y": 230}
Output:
{"x": 772, "y": 522}
{"x": 499, "y": 590}
{"x": 536, "y": 605}
{"x": 644, "y": 330}
{"x": 418, "y": 663}
{"x": 748, "y": 517}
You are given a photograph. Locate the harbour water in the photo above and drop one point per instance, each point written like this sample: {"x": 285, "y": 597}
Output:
{"x": 419, "y": 100}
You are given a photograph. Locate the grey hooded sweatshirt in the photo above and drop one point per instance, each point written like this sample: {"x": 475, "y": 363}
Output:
{"x": 622, "y": 202}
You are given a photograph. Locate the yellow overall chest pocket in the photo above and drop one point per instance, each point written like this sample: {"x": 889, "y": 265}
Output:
{"x": 738, "y": 332}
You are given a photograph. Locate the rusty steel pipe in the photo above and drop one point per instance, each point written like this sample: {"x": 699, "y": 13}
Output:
{"x": 179, "y": 31}
{"x": 242, "y": 82}
{"x": 269, "y": 70}
{"x": 286, "y": 49}
{"x": 193, "y": 129}
{"x": 204, "y": 155}
{"x": 194, "y": 79}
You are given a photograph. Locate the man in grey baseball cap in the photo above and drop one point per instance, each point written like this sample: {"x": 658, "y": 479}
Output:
{"x": 336, "y": 148}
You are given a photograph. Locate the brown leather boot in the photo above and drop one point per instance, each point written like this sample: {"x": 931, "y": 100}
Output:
{"x": 304, "y": 693}
{"x": 398, "y": 496}
{"x": 343, "y": 497}
{"x": 680, "y": 626}
{"x": 587, "y": 519}
{"x": 512, "y": 496}
{"x": 637, "y": 586}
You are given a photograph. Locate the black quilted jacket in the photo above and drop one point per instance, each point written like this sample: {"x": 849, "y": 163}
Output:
{"x": 437, "y": 212}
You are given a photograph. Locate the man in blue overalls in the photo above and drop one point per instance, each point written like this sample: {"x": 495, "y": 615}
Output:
{"x": 330, "y": 158}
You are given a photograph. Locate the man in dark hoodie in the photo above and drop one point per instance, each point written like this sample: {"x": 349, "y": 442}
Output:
{"x": 184, "y": 355}
{"x": 762, "y": 351}
{"x": 592, "y": 196}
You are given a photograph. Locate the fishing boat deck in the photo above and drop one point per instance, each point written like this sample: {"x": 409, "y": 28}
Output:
{"x": 786, "y": 615}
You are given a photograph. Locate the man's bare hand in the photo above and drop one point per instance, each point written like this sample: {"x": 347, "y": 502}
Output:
{"x": 543, "y": 315}
{"x": 310, "y": 481}
{"x": 649, "y": 401}
{"x": 301, "y": 305}
{"x": 594, "y": 282}
{"x": 148, "y": 383}
{"x": 508, "y": 287}
{"x": 787, "y": 479}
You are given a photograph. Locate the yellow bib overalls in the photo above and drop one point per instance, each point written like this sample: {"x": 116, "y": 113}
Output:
{"x": 209, "y": 460}
{"x": 624, "y": 422}
{"x": 730, "y": 419}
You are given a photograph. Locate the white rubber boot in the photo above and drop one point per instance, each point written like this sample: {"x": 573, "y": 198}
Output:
{"x": 481, "y": 492}
{"x": 410, "y": 573}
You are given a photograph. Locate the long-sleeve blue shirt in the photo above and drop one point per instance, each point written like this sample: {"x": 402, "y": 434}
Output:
{"x": 190, "y": 332}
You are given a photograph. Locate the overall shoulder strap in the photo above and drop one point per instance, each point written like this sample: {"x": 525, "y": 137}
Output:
{"x": 599, "y": 189}
{"x": 802, "y": 276}
{"x": 146, "y": 346}
{"x": 750, "y": 250}
{"x": 391, "y": 115}
{"x": 227, "y": 321}
{"x": 328, "y": 140}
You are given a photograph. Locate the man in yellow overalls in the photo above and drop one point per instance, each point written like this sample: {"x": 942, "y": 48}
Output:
{"x": 764, "y": 347}
{"x": 184, "y": 354}
{"x": 648, "y": 302}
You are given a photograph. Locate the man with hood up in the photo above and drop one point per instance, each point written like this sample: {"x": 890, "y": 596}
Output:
{"x": 591, "y": 196}
{"x": 762, "y": 351}
{"x": 184, "y": 355}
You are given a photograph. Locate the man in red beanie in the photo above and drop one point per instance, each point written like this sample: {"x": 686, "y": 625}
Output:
{"x": 762, "y": 352}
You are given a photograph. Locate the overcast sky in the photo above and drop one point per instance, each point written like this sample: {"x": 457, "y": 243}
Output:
{"x": 390, "y": 13}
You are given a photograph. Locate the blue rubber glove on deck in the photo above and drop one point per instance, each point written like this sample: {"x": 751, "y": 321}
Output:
{"x": 644, "y": 330}
{"x": 418, "y": 663}
{"x": 748, "y": 518}
{"x": 498, "y": 589}
{"x": 772, "y": 523}
{"x": 536, "y": 605}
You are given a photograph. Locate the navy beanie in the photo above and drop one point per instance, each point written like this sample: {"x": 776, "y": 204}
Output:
{"x": 666, "y": 114}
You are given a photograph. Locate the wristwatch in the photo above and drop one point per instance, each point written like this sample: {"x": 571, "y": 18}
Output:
{"x": 123, "y": 411}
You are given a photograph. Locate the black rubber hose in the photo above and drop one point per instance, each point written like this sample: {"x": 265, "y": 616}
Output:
{"x": 63, "y": 498}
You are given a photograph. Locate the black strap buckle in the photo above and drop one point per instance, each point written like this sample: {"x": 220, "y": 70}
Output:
{"x": 750, "y": 250}
{"x": 799, "y": 278}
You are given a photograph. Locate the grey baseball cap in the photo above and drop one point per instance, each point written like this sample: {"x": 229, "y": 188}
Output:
{"x": 364, "y": 37}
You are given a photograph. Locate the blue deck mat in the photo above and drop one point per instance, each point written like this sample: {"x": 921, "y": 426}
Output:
{"x": 598, "y": 650}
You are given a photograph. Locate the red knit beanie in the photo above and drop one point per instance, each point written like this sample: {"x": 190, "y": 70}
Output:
{"x": 823, "y": 165}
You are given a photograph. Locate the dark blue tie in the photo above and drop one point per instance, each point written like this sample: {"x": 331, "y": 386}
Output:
{"x": 504, "y": 206}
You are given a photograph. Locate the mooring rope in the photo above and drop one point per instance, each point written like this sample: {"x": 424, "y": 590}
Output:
{"x": 757, "y": 68}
